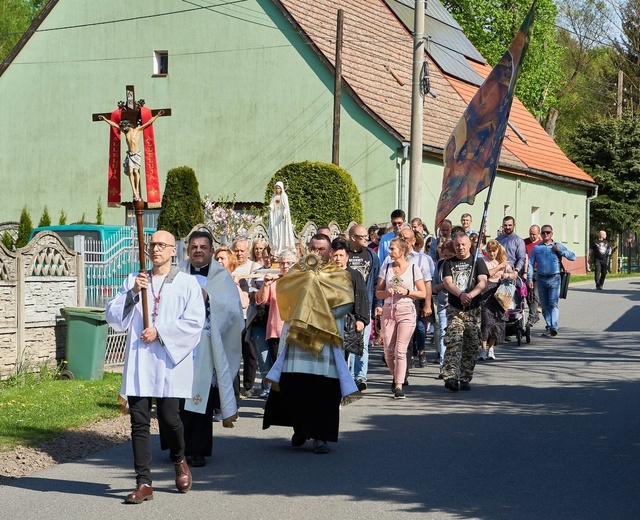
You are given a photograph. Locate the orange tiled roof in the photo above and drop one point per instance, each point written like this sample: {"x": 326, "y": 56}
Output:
{"x": 376, "y": 46}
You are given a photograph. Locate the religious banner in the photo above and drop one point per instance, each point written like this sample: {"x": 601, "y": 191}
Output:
{"x": 152, "y": 181}
{"x": 114, "y": 193}
{"x": 472, "y": 152}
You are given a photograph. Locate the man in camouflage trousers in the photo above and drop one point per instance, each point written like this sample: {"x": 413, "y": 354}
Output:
{"x": 464, "y": 283}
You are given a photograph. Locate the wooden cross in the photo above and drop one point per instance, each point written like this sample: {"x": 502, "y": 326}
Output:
{"x": 131, "y": 109}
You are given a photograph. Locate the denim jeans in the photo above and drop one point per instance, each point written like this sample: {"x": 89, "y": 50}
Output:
{"x": 441, "y": 329}
{"x": 419, "y": 336}
{"x": 358, "y": 365}
{"x": 549, "y": 292}
{"x": 264, "y": 360}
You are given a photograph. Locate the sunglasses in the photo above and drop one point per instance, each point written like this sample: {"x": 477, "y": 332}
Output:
{"x": 361, "y": 237}
{"x": 546, "y": 232}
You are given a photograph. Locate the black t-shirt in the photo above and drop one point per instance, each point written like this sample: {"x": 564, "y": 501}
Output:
{"x": 360, "y": 262}
{"x": 460, "y": 272}
{"x": 600, "y": 249}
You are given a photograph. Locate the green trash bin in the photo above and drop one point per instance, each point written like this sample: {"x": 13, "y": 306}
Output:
{"x": 87, "y": 331}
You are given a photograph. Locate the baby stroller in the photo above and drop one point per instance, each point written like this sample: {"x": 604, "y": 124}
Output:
{"x": 516, "y": 324}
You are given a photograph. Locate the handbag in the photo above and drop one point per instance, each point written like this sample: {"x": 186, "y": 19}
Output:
{"x": 505, "y": 293}
{"x": 564, "y": 279}
{"x": 353, "y": 340}
{"x": 564, "y": 283}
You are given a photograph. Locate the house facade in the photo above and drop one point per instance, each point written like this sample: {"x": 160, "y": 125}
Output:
{"x": 250, "y": 88}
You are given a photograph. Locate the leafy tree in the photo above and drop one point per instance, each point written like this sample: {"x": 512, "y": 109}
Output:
{"x": 15, "y": 18}
{"x": 25, "y": 227}
{"x": 491, "y": 26}
{"x": 7, "y": 240}
{"x": 63, "y": 218}
{"x": 181, "y": 203}
{"x": 319, "y": 192}
{"x": 609, "y": 150}
{"x": 99, "y": 217}
{"x": 45, "y": 219}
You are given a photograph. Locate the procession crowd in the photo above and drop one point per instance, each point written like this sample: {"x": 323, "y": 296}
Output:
{"x": 304, "y": 318}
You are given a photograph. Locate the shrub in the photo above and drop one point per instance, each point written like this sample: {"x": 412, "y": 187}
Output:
{"x": 181, "y": 203}
{"x": 63, "y": 218}
{"x": 7, "y": 240}
{"x": 99, "y": 217}
{"x": 45, "y": 219}
{"x": 25, "y": 227}
{"x": 319, "y": 192}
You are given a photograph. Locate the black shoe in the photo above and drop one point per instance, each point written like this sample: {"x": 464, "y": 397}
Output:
{"x": 440, "y": 376}
{"x": 452, "y": 384}
{"x": 422, "y": 360}
{"x": 320, "y": 447}
{"x": 398, "y": 393}
{"x": 198, "y": 461}
{"x": 362, "y": 385}
{"x": 553, "y": 333}
{"x": 464, "y": 385}
{"x": 297, "y": 440}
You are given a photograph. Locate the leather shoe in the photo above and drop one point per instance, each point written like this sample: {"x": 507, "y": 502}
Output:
{"x": 452, "y": 384}
{"x": 142, "y": 492}
{"x": 183, "y": 476}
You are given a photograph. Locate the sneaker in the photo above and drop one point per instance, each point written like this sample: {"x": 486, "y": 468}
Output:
{"x": 217, "y": 416}
{"x": 464, "y": 385}
{"x": 422, "y": 360}
{"x": 553, "y": 333}
{"x": 546, "y": 333}
{"x": 320, "y": 447}
{"x": 264, "y": 394}
{"x": 491, "y": 354}
{"x": 398, "y": 393}
{"x": 452, "y": 384}
{"x": 361, "y": 384}
{"x": 483, "y": 354}
{"x": 247, "y": 393}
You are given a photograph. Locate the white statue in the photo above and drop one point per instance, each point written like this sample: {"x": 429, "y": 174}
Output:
{"x": 280, "y": 226}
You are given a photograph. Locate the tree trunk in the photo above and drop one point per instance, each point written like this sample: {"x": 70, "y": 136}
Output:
{"x": 552, "y": 118}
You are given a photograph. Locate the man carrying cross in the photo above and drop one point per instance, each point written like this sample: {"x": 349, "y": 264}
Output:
{"x": 133, "y": 159}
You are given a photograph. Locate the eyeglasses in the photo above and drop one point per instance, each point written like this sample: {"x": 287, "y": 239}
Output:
{"x": 546, "y": 232}
{"x": 161, "y": 246}
{"x": 361, "y": 237}
{"x": 398, "y": 223}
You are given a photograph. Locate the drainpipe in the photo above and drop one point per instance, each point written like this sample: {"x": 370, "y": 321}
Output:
{"x": 587, "y": 244}
{"x": 402, "y": 203}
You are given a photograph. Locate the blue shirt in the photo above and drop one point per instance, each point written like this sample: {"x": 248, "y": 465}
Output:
{"x": 383, "y": 246}
{"x": 516, "y": 250}
{"x": 547, "y": 260}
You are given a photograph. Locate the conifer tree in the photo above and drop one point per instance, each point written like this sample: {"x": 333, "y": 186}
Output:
{"x": 25, "y": 227}
{"x": 181, "y": 203}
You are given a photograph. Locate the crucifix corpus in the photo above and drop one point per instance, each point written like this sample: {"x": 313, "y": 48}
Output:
{"x": 132, "y": 118}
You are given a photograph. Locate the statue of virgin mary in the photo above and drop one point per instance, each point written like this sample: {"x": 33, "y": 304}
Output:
{"x": 280, "y": 226}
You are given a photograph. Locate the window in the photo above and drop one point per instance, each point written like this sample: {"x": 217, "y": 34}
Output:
{"x": 576, "y": 229}
{"x": 535, "y": 216}
{"x": 160, "y": 63}
{"x": 564, "y": 227}
{"x": 552, "y": 220}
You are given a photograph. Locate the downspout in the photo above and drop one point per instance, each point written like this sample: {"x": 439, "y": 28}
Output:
{"x": 402, "y": 202}
{"x": 586, "y": 241}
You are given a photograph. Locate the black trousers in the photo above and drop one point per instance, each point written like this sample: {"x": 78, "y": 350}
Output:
{"x": 249, "y": 362}
{"x": 601, "y": 271}
{"x": 170, "y": 427}
{"x": 198, "y": 427}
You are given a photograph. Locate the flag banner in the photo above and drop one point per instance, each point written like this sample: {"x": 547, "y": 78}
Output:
{"x": 472, "y": 152}
{"x": 113, "y": 193}
{"x": 152, "y": 182}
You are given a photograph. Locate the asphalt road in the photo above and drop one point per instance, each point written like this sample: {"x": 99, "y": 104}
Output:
{"x": 549, "y": 430}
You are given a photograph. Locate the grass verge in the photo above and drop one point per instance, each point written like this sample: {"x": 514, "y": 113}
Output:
{"x": 36, "y": 409}
{"x": 589, "y": 277}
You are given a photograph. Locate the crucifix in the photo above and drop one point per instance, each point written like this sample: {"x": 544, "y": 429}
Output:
{"x": 132, "y": 118}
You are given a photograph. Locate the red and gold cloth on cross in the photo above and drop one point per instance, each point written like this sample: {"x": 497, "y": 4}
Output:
{"x": 152, "y": 181}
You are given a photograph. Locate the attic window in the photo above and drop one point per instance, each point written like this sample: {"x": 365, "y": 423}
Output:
{"x": 160, "y": 63}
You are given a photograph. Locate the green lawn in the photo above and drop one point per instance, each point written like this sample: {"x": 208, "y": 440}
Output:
{"x": 589, "y": 276}
{"x": 37, "y": 409}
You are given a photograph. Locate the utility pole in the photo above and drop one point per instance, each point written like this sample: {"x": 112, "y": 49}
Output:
{"x": 417, "y": 108}
{"x": 337, "y": 87}
{"x": 620, "y": 90}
